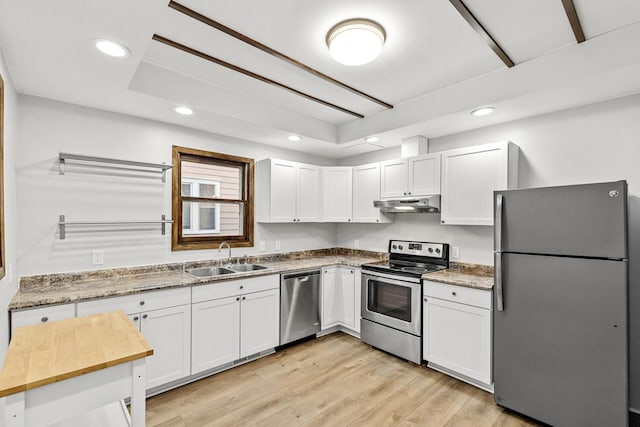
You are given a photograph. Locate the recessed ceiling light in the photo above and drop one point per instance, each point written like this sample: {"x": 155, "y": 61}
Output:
{"x": 482, "y": 111}
{"x": 294, "y": 138}
{"x": 185, "y": 111}
{"x": 372, "y": 139}
{"x": 355, "y": 41}
{"x": 111, "y": 48}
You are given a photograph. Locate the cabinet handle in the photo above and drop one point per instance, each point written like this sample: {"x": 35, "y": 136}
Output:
{"x": 136, "y": 318}
{"x": 454, "y": 294}
{"x": 238, "y": 299}
{"x": 144, "y": 316}
{"x": 425, "y": 300}
{"x": 404, "y": 194}
{"x": 241, "y": 286}
{"x": 44, "y": 319}
{"x": 409, "y": 193}
{"x": 442, "y": 222}
{"x": 351, "y": 271}
{"x": 141, "y": 302}
{"x": 244, "y": 298}
{"x": 377, "y": 220}
{"x": 349, "y": 220}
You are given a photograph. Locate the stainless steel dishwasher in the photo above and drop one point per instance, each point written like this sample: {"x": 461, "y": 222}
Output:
{"x": 299, "y": 305}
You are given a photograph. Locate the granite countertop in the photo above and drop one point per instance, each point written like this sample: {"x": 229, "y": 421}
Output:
{"x": 36, "y": 291}
{"x": 469, "y": 275}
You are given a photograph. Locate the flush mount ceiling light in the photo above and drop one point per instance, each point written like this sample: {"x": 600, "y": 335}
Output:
{"x": 185, "y": 111}
{"x": 372, "y": 139}
{"x": 355, "y": 41}
{"x": 294, "y": 138}
{"x": 111, "y": 48}
{"x": 482, "y": 111}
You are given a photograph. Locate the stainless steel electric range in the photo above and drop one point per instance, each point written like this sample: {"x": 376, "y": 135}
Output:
{"x": 392, "y": 297}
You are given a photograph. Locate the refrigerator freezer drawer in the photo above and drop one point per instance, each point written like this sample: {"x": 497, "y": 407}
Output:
{"x": 460, "y": 294}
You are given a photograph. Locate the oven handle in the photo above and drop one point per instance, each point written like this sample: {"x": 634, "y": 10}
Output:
{"x": 400, "y": 279}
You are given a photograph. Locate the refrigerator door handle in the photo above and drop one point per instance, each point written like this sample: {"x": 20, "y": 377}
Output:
{"x": 497, "y": 226}
{"x": 498, "y": 281}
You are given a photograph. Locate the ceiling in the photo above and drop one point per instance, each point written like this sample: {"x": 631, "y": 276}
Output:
{"x": 434, "y": 68}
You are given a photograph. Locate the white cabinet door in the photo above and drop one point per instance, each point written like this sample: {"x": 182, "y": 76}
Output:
{"x": 393, "y": 178}
{"x": 347, "y": 283}
{"x": 424, "y": 175}
{"x": 215, "y": 333}
{"x": 469, "y": 178}
{"x": 259, "y": 322}
{"x": 308, "y": 197}
{"x": 168, "y": 331}
{"x": 337, "y": 193}
{"x": 282, "y": 204}
{"x": 366, "y": 189}
{"x": 458, "y": 337}
{"x": 331, "y": 299}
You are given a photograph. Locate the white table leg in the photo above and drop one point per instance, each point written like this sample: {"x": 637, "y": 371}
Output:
{"x": 138, "y": 386}
{"x": 14, "y": 410}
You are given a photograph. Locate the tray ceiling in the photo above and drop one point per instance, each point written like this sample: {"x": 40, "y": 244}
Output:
{"x": 434, "y": 68}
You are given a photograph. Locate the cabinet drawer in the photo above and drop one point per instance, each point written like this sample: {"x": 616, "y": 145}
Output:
{"x": 235, "y": 287}
{"x": 143, "y": 301}
{"x": 460, "y": 294}
{"x": 41, "y": 315}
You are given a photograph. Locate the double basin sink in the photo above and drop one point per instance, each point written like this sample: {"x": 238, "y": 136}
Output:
{"x": 203, "y": 272}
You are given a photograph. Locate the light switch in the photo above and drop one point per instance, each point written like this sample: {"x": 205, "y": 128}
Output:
{"x": 455, "y": 252}
{"x": 97, "y": 257}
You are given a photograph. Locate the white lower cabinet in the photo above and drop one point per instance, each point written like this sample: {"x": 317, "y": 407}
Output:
{"x": 168, "y": 332}
{"x": 242, "y": 320}
{"x": 457, "y": 332}
{"x": 215, "y": 333}
{"x": 165, "y": 323}
{"x": 341, "y": 297}
{"x": 41, "y": 315}
{"x": 259, "y": 322}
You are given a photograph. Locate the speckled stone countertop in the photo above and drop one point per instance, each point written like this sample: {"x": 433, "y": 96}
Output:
{"x": 469, "y": 275}
{"x": 64, "y": 288}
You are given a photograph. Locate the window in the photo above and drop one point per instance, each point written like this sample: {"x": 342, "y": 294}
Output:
{"x": 212, "y": 199}
{"x": 2, "y": 259}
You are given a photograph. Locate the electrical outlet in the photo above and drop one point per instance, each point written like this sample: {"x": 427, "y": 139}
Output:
{"x": 277, "y": 245}
{"x": 263, "y": 246}
{"x": 455, "y": 252}
{"x": 97, "y": 257}
{"x": 356, "y": 244}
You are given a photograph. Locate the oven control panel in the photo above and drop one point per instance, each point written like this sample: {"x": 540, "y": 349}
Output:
{"x": 432, "y": 250}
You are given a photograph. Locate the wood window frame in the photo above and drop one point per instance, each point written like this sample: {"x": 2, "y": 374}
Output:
{"x": 188, "y": 242}
{"x": 2, "y": 234}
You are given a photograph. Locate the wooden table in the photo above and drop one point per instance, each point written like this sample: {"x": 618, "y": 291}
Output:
{"x": 77, "y": 367}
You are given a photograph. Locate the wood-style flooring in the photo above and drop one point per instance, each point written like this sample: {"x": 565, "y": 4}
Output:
{"x": 335, "y": 380}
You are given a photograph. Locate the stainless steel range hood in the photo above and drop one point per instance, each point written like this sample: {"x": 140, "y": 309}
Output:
{"x": 424, "y": 204}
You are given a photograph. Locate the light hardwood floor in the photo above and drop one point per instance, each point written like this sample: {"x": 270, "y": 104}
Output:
{"x": 335, "y": 380}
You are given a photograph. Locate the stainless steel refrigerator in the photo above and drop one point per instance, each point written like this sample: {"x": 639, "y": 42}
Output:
{"x": 560, "y": 303}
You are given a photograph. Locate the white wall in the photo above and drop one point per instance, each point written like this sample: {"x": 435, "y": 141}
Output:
{"x": 48, "y": 127}
{"x": 9, "y": 283}
{"x": 599, "y": 142}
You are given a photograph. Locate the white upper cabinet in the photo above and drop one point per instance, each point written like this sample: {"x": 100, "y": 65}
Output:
{"x": 366, "y": 189}
{"x": 287, "y": 191}
{"x": 469, "y": 178}
{"x": 337, "y": 193}
{"x": 412, "y": 176}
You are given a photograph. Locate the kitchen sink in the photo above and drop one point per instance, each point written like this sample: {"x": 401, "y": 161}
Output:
{"x": 208, "y": 271}
{"x": 248, "y": 267}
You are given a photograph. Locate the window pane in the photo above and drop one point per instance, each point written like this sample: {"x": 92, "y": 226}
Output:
{"x": 207, "y": 216}
{"x": 208, "y": 190}
{"x": 215, "y": 180}
{"x": 212, "y": 219}
{"x": 186, "y": 189}
{"x": 186, "y": 216}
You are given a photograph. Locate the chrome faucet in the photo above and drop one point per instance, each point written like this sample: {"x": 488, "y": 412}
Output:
{"x": 220, "y": 251}
{"x": 245, "y": 258}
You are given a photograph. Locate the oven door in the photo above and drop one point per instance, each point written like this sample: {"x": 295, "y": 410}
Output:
{"x": 392, "y": 302}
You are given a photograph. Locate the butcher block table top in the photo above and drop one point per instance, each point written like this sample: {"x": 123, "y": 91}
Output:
{"x": 50, "y": 352}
